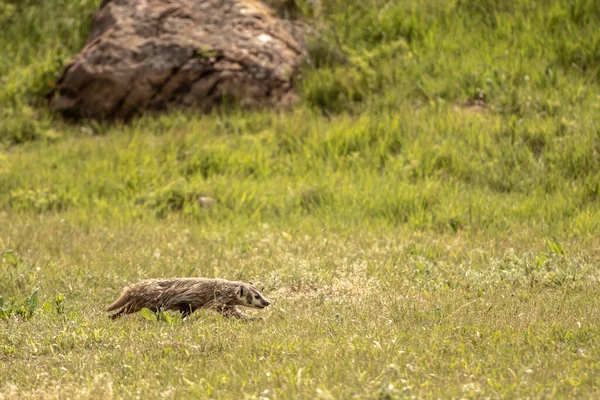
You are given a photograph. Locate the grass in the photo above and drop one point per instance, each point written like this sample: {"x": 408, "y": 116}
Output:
{"x": 425, "y": 220}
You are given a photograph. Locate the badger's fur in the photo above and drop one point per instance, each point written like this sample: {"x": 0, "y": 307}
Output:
{"x": 187, "y": 295}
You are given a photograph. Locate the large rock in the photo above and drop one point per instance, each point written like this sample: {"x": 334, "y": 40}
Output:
{"x": 150, "y": 54}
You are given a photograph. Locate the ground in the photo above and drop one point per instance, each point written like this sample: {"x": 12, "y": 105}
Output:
{"x": 426, "y": 220}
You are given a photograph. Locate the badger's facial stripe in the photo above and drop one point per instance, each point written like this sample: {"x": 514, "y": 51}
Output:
{"x": 253, "y": 298}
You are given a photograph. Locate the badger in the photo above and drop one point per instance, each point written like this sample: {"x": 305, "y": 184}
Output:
{"x": 187, "y": 295}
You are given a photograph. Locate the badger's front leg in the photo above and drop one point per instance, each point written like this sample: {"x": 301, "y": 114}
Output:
{"x": 231, "y": 311}
{"x": 186, "y": 310}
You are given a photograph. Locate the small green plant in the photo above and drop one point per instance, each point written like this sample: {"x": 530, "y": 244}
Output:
{"x": 160, "y": 315}
{"x": 10, "y": 257}
{"x": 148, "y": 315}
{"x": 24, "y": 309}
{"x": 59, "y": 303}
{"x": 555, "y": 247}
{"x": 163, "y": 315}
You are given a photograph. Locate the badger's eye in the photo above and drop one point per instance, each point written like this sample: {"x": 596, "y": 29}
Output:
{"x": 257, "y": 297}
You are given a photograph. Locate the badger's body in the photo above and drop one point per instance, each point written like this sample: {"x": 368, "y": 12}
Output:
{"x": 187, "y": 295}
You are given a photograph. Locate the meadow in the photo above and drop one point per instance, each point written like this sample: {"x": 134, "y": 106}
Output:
{"x": 425, "y": 221}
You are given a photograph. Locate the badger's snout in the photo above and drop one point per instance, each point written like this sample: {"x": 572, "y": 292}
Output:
{"x": 263, "y": 303}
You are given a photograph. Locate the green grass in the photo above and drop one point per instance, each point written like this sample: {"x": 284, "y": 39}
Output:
{"x": 413, "y": 241}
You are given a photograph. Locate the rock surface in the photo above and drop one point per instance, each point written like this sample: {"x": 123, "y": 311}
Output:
{"x": 152, "y": 54}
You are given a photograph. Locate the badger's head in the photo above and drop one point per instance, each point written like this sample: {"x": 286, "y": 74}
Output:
{"x": 249, "y": 296}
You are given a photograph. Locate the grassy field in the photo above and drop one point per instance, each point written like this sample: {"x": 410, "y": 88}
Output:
{"x": 426, "y": 221}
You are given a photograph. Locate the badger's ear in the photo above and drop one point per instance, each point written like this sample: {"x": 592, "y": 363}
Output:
{"x": 241, "y": 291}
